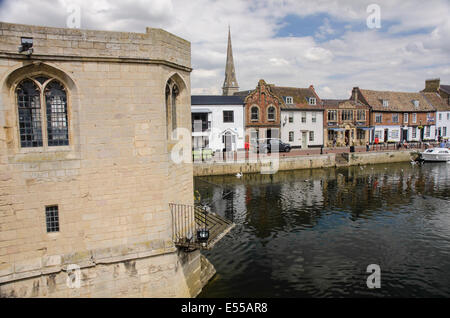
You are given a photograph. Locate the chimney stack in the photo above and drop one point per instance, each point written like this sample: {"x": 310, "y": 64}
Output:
{"x": 355, "y": 94}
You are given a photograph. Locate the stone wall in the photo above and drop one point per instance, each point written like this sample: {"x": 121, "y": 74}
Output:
{"x": 113, "y": 183}
{"x": 303, "y": 162}
{"x": 295, "y": 163}
{"x": 379, "y": 157}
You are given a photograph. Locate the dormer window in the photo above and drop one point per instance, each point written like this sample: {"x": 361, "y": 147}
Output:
{"x": 312, "y": 101}
{"x": 289, "y": 100}
{"x": 416, "y": 103}
{"x": 385, "y": 103}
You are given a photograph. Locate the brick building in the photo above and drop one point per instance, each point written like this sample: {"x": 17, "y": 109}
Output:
{"x": 346, "y": 122}
{"x": 262, "y": 113}
{"x": 398, "y": 116}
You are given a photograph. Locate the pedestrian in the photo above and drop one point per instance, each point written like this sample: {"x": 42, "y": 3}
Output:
{"x": 367, "y": 146}
{"x": 334, "y": 142}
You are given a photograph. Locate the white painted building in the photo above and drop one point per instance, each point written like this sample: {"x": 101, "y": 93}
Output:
{"x": 217, "y": 122}
{"x": 443, "y": 124}
{"x": 438, "y": 96}
{"x": 442, "y": 114}
{"x": 388, "y": 133}
{"x": 302, "y": 128}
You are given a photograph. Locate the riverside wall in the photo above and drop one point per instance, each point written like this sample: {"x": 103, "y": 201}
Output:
{"x": 302, "y": 162}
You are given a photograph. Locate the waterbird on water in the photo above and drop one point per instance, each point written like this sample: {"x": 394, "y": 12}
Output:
{"x": 239, "y": 175}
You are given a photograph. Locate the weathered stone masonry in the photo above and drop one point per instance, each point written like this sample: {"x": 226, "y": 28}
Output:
{"x": 114, "y": 180}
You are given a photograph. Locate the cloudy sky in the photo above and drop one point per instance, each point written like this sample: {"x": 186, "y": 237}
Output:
{"x": 326, "y": 43}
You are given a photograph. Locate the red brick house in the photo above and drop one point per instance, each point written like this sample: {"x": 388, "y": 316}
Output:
{"x": 398, "y": 116}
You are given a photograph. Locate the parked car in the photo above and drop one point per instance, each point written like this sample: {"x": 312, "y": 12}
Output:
{"x": 273, "y": 144}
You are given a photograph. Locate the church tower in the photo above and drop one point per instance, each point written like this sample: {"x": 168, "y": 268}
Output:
{"x": 230, "y": 85}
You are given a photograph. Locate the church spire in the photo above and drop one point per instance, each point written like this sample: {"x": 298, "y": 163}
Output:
{"x": 230, "y": 85}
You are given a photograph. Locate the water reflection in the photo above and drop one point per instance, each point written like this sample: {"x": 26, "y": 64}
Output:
{"x": 314, "y": 232}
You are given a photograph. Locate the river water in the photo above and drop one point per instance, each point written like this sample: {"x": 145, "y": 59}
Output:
{"x": 313, "y": 233}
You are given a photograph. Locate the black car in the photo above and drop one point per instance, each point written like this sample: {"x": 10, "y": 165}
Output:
{"x": 273, "y": 144}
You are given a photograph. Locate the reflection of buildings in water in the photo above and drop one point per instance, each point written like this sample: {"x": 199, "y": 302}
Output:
{"x": 301, "y": 194}
{"x": 362, "y": 191}
{"x": 228, "y": 201}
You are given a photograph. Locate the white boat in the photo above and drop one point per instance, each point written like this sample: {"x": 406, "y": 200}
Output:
{"x": 436, "y": 155}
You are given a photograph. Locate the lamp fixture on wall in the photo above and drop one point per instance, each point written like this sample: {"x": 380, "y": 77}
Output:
{"x": 26, "y": 46}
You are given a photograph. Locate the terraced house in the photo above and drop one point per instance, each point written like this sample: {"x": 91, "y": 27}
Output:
{"x": 398, "y": 116}
{"x": 295, "y": 115}
{"x": 301, "y": 116}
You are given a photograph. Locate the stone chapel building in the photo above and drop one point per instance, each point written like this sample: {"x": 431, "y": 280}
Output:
{"x": 86, "y": 177}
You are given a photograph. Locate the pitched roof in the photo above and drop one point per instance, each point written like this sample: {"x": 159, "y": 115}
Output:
{"x": 437, "y": 101}
{"x": 398, "y": 101}
{"x": 243, "y": 93}
{"x": 332, "y": 102}
{"x": 335, "y": 103}
{"x": 300, "y": 97}
{"x": 445, "y": 88}
{"x": 212, "y": 100}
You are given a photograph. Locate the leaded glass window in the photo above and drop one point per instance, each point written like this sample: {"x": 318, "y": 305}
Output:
{"x": 29, "y": 111}
{"x": 57, "y": 126}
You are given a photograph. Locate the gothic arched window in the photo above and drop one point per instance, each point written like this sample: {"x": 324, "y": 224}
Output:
{"x": 30, "y": 94}
{"x": 172, "y": 99}
{"x": 57, "y": 127}
{"x": 167, "y": 110}
{"x": 175, "y": 93}
{"x": 29, "y": 111}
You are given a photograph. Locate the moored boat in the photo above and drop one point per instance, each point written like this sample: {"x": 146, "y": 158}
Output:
{"x": 436, "y": 155}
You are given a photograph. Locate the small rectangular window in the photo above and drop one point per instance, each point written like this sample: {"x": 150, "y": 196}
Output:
{"x": 289, "y": 100}
{"x": 378, "y": 118}
{"x": 291, "y": 118}
{"x": 311, "y": 136}
{"x": 52, "y": 218}
{"x": 361, "y": 115}
{"x": 347, "y": 115}
{"x": 314, "y": 117}
{"x": 312, "y": 101}
{"x": 414, "y": 118}
{"x": 291, "y": 136}
{"x": 228, "y": 116}
{"x": 303, "y": 117}
{"x": 385, "y": 103}
{"x": 332, "y": 115}
{"x": 395, "y": 118}
{"x": 405, "y": 118}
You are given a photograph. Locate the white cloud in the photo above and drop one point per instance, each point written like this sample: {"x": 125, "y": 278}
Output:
{"x": 394, "y": 57}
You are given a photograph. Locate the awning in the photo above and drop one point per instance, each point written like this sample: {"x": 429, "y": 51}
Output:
{"x": 336, "y": 129}
{"x": 200, "y": 110}
{"x": 365, "y": 128}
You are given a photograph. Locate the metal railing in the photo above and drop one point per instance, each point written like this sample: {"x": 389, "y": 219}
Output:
{"x": 194, "y": 227}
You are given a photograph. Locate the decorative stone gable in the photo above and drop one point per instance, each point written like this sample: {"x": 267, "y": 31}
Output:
{"x": 264, "y": 100}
